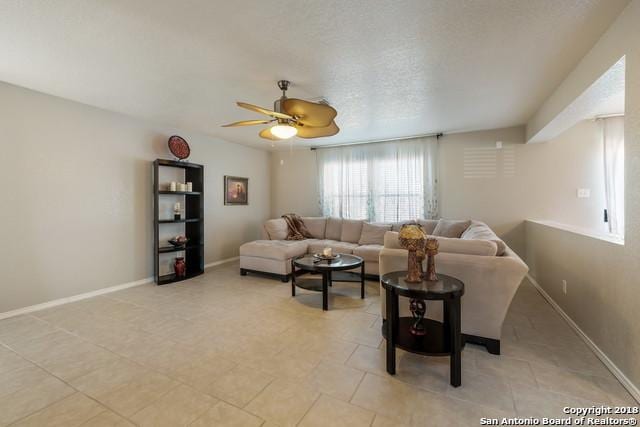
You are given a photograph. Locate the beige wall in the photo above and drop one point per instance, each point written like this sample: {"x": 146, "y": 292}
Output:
{"x": 523, "y": 181}
{"x": 76, "y": 197}
{"x": 537, "y": 181}
{"x": 294, "y": 183}
{"x": 604, "y": 280}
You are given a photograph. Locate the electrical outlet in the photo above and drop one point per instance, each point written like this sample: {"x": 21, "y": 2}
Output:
{"x": 564, "y": 287}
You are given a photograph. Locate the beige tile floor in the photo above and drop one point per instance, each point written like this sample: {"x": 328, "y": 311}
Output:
{"x": 229, "y": 350}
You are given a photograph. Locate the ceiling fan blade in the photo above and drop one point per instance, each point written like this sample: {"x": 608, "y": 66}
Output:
{"x": 266, "y": 134}
{"x": 247, "y": 123}
{"x": 317, "y": 132}
{"x": 309, "y": 113}
{"x": 263, "y": 111}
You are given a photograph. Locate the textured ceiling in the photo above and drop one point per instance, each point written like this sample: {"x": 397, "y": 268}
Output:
{"x": 391, "y": 69}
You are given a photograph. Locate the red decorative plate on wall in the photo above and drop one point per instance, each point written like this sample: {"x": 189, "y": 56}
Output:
{"x": 179, "y": 147}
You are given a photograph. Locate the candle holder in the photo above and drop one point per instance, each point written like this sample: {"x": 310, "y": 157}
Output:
{"x": 431, "y": 250}
{"x": 412, "y": 238}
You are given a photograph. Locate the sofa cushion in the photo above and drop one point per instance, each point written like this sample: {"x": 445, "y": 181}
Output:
{"x": 428, "y": 225}
{"x": 316, "y": 246}
{"x": 277, "y": 229}
{"x": 373, "y": 234}
{"x": 281, "y": 250}
{"x": 450, "y": 245}
{"x": 369, "y": 253}
{"x": 334, "y": 229}
{"x": 481, "y": 231}
{"x": 316, "y": 226}
{"x": 351, "y": 230}
{"x": 391, "y": 240}
{"x": 467, "y": 247}
{"x": 450, "y": 228}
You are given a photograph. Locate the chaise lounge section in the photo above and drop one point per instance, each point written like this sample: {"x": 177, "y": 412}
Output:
{"x": 272, "y": 255}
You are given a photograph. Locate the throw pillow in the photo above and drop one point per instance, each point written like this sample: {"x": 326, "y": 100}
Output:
{"x": 277, "y": 229}
{"x": 451, "y": 228}
{"x": 428, "y": 225}
{"x": 351, "y": 229}
{"x": 373, "y": 234}
{"x": 316, "y": 226}
{"x": 334, "y": 229}
{"x": 481, "y": 231}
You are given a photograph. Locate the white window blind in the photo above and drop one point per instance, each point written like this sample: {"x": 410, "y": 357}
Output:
{"x": 381, "y": 182}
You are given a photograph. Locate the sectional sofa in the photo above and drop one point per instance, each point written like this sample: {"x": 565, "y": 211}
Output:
{"x": 469, "y": 250}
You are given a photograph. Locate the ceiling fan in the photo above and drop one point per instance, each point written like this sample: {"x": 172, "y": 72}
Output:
{"x": 292, "y": 117}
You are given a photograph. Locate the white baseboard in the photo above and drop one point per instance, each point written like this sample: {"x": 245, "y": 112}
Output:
{"x": 66, "y": 300}
{"x": 222, "y": 261}
{"x": 626, "y": 382}
{"x": 73, "y": 298}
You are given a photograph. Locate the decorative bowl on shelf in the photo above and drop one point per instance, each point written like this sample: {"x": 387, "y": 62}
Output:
{"x": 179, "y": 241}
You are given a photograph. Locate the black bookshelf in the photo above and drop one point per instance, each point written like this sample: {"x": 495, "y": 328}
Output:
{"x": 193, "y": 220}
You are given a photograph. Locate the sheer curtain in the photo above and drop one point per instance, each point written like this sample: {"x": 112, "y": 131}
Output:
{"x": 381, "y": 182}
{"x": 613, "y": 142}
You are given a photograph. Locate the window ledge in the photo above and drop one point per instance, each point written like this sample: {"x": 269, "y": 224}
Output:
{"x": 581, "y": 231}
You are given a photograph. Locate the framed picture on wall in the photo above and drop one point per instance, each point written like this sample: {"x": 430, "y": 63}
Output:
{"x": 236, "y": 190}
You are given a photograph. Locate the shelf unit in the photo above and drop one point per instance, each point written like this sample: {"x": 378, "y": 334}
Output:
{"x": 193, "y": 202}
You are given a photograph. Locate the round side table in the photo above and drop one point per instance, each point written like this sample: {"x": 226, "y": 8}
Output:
{"x": 331, "y": 272}
{"x": 418, "y": 334}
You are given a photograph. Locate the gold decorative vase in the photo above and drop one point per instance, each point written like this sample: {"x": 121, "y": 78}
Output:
{"x": 431, "y": 250}
{"x": 412, "y": 238}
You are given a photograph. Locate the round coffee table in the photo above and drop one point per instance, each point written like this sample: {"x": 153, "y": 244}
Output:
{"x": 331, "y": 270}
{"x": 417, "y": 334}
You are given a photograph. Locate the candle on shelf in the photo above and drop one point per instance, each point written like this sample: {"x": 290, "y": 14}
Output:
{"x": 182, "y": 186}
{"x": 327, "y": 252}
{"x": 189, "y": 186}
{"x": 172, "y": 186}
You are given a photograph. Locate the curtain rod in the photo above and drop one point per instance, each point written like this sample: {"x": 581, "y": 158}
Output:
{"x": 607, "y": 116}
{"x": 437, "y": 135}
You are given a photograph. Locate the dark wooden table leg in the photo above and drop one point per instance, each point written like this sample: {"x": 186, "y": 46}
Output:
{"x": 362, "y": 281}
{"x": 391, "y": 339}
{"x": 456, "y": 342}
{"x": 325, "y": 291}
{"x": 293, "y": 279}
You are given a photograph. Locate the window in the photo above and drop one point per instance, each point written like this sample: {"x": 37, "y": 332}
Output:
{"x": 613, "y": 143}
{"x": 381, "y": 182}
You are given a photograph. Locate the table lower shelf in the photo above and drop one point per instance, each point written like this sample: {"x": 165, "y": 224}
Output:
{"x": 434, "y": 343}
{"x": 310, "y": 284}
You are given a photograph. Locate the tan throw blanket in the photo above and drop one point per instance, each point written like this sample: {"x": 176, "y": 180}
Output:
{"x": 297, "y": 229}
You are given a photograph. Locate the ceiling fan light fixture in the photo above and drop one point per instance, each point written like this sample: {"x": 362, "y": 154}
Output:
{"x": 283, "y": 131}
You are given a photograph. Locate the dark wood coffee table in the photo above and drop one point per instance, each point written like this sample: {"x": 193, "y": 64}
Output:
{"x": 440, "y": 338}
{"x": 331, "y": 270}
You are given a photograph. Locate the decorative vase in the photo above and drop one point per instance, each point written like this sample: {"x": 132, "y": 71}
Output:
{"x": 412, "y": 238}
{"x": 431, "y": 250}
{"x": 180, "y": 267}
